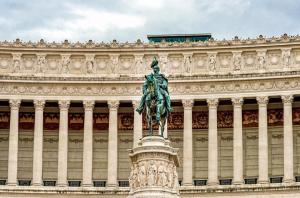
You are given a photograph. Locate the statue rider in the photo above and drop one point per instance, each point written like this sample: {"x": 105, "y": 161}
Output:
{"x": 162, "y": 83}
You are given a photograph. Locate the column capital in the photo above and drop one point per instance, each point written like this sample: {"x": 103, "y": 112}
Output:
{"x": 64, "y": 104}
{"x": 262, "y": 100}
{"x": 39, "y": 104}
{"x": 287, "y": 98}
{"x": 237, "y": 101}
{"x": 187, "y": 104}
{"x": 135, "y": 103}
{"x": 212, "y": 102}
{"x": 14, "y": 103}
{"x": 113, "y": 104}
{"x": 88, "y": 104}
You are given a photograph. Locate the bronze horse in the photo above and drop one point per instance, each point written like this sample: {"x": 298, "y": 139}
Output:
{"x": 155, "y": 102}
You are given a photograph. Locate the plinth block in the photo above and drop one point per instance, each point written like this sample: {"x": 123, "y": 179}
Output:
{"x": 153, "y": 169}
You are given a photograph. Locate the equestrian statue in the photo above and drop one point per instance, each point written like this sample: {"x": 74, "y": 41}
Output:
{"x": 155, "y": 100}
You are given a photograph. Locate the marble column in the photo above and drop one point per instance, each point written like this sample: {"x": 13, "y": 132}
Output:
{"x": 237, "y": 141}
{"x": 263, "y": 171}
{"x": 112, "y": 167}
{"x": 87, "y": 180}
{"x": 288, "y": 139}
{"x": 37, "y": 168}
{"x": 138, "y": 124}
{"x": 188, "y": 143}
{"x": 62, "y": 175}
{"x": 212, "y": 142}
{"x": 13, "y": 142}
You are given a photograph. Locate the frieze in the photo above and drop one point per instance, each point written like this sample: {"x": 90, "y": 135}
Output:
{"x": 131, "y": 89}
{"x": 100, "y": 140}
{"x": 75, "y": 140}
{"x": 25, "y": 139}
{"x": 3, "y": 139}
{"x": 51, "y": 140}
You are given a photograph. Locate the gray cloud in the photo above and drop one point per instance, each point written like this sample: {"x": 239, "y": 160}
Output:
{"x": 128, "y": 20}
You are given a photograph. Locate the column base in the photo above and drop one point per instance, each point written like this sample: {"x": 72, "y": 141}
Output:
{"x": 61, "y": 185}
{"x": 36, "y": 184}
{"x": 111, "y": 187}
{"x": 87, "y": 185}
{"x": 12, "y": 184}
{"x": 288, "y": 181}
{"x": 263, "y": 182}
{"x": 213, "y": 183}
{"x": 237, "y": 183}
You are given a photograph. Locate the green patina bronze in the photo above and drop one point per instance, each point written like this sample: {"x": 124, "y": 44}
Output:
{"x": 155, "y": 100}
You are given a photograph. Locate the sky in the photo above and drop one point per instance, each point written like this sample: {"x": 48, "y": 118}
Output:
{"x": 129, "y": 20}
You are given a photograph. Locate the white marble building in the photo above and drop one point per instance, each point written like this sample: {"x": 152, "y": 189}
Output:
{"x": 67, "y": 116}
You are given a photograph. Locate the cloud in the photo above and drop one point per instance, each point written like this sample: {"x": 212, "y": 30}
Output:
{"x": 128, "y": 20}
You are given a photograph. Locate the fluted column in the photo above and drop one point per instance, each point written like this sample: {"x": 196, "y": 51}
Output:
{"x": 188, "y": 143}
{"x": 212, "y": 142}
{"x": 62, "y": 179}
{"x": 37, "y": 178}
{"x": 13, "y": 142}
{"x": 237, "y": 141}
{"x": 263, "y": 172}
{"x": 138, "y": 124}
{"x": 288, "y": 139}
{"x": 88, "y": 144}
{"x": 112, "y": 167}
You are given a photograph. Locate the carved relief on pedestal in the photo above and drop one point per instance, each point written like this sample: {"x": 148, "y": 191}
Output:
{"x": 154, "y": 171}
{"x": 28, "y": 63}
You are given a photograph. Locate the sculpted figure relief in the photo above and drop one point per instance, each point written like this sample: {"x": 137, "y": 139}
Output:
{"x": 212, "y": 63}
{"x": 153, "y": 173}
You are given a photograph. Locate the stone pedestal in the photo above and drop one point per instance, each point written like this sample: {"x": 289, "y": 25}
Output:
{"x": 153, "y": 169}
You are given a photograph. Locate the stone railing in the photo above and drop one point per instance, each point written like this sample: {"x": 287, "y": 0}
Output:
{"x": 261, "y": 55}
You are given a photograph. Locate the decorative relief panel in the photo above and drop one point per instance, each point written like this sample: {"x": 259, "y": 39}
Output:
{"x": 249, "y": 61}
{"x": 5, "y": 62}
{"x": 274, "y": 59}
{"x": 125, "y": 64}
{"x": 250, "y": 118}
{"x": 101, "y": 64}
{"x": 224, "y": 62}
{"x": 125, "y": 121}
{"x": 101, "y": 121}
{"x": 4, "y": 120}
{"x": 199, "y": 63}
{"x": 175, "y": 121}
{"x": 76, "y": 121}
{"x": 175, "y": 64}
{"x": 200, "y": 120}
{"x": 28, "y": 63}
{"x": 26, "y": 121}
{"x": 225, "y": 119}
{"x": 52, "y": 64}
{"x": 51, "y": 121}
{"x": 77, "y": 64}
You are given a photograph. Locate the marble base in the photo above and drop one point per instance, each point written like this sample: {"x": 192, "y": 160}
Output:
{"x": 153, "y": 170}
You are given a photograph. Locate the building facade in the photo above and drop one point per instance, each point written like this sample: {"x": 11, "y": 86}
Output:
{"x": 67, "y": 116}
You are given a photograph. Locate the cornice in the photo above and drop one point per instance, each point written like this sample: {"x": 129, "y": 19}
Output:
{"x": 67, "y": 45}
